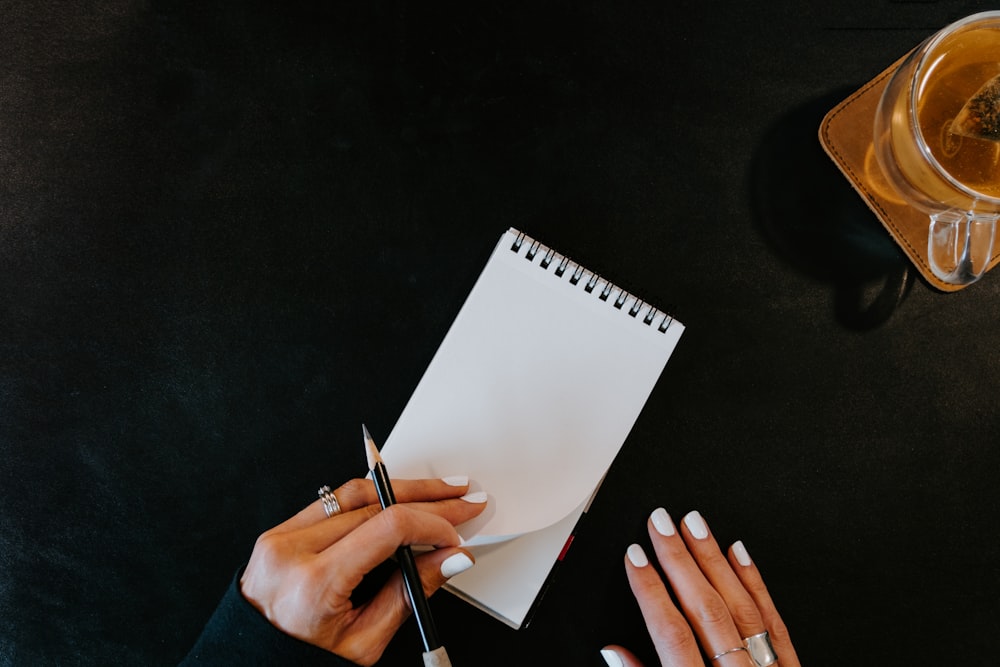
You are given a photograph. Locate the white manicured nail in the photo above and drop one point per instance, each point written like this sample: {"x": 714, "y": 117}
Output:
{"x": 696, "y": 524}
{"x": 740, "y": 551}
{"x": 637, "y": 556}
{"x": 612, "y": 658}
{"x": 456, "y": 480}
{"x": 475, "y": 497}
{"x": 661, "y": 521}
{"x": 455, "y": 564}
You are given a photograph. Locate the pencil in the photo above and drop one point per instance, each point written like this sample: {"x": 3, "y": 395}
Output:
{"x": 434, "y": 654}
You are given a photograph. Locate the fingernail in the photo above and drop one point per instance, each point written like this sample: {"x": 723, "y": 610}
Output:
{"x": 455, "y": 564}
{"x": 475, "y": 497}
{"x": 696, "y": 524}
{"x": 612, "y": 658}
{"x": 637, "y": 556}
{"x": 661, "y": 521}
{"x": 456, "y": 480}
{"x": 740, "y": 551}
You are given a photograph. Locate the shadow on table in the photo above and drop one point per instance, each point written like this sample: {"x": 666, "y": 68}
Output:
{"x": 814, "y": 220}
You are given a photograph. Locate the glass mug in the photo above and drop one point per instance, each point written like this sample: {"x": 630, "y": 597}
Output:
{"x": 937, "y": 141}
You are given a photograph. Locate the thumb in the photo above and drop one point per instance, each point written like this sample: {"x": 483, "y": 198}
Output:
{"x": 385, "y": 612}
{"x": 438, "y": 566}
{"x": 617, "y": 656}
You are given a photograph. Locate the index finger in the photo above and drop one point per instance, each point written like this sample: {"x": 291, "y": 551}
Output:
{"x": 374, "y": 541}
{"x": 672, "y": 637}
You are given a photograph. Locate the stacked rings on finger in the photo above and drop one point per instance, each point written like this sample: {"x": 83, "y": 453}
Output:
{"x": 760, "y": 649}
{"x": 330, "y": 504}
{"x": 732, "y": 650}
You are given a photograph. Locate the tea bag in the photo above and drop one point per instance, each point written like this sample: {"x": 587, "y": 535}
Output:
{"x": 980, "y": 117}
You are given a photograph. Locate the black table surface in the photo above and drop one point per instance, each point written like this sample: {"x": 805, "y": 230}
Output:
{"x": 231, "y": 232}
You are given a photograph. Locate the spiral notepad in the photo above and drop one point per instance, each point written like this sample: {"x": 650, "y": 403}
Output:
{"x": 540, "y": 377}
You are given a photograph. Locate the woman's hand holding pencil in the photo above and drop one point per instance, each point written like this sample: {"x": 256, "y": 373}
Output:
{"x": 302, "y": 573}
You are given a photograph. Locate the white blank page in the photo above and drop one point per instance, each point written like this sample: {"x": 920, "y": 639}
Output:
{"x": 533, "y": 390}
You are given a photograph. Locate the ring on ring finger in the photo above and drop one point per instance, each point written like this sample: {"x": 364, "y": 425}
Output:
{"x": 330, "y": 504}
{"x": 736, "y": 649}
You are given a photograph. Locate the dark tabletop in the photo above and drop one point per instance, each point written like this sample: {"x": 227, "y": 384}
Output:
{"x": 231, "y": 232}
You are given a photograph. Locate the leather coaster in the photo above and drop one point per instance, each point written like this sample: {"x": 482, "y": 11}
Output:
{"x": 846, "y": 134}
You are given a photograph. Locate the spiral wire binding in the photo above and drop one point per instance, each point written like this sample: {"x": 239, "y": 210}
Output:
{"x": 549, "y": 255}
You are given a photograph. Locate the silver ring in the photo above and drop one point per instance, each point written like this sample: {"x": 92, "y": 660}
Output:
{"x": 330, "y": 504}
{"x": 760, "y": 649}
{"x": 732, "y": 650}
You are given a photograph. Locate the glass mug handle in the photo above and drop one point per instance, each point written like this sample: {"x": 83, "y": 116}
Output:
{"x": 960, "y": 245}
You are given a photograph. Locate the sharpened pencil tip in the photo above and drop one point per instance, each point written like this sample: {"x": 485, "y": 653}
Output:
{"x": 371, "y": 451}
